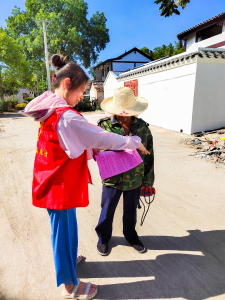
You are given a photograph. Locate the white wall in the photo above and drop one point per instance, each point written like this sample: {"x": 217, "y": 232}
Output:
{"x": 207, "y": 43}
{"x": 209, "y": 102}
{"x": 135, "y": 56}
{"x": 190, "y": 40}
{"x": 169, "y": 93}
{"x": 111, "y": 84}
{"x": 188, "y": 97}
{"x": 170, "y": 97}
{"x": 93, "y": 92}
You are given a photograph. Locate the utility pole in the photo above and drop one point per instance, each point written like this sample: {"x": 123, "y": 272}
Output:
{"x": 46, "y": 56}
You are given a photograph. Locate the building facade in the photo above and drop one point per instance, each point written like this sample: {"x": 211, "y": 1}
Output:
{"x": 24, "y": 93}
{"x": 208, "y": 34}
{"x": 128, "y": 60}
{"x": 97, "y": 91}
{"x": 185, "y": 92}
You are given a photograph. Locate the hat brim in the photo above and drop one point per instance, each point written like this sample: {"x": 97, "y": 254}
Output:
{"x": 140, "y": 106}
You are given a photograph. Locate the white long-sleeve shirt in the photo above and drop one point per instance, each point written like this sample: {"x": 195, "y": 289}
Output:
{"x": 76, "y": 134}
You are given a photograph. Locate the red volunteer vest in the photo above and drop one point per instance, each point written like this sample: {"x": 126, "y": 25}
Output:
{"x": 58, "y": 181}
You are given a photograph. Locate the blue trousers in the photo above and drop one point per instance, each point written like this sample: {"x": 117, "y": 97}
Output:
{"x": 64, "y": 236}
{"x": 110, "y": 199}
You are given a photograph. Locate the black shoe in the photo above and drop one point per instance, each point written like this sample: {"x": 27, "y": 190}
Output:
{"x": 103, "y": 249}
{"x": 138, "y": 246}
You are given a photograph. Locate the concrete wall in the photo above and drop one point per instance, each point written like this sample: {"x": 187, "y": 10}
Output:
{"x": 220, "y": 38}
{"x": 98, "y": 71}
{"x": 223, "y": 26}
{"x": 93, "y": 92}
{"x": 170, "y": 96}
{"x": 169, "y": 93}
{"x": 190, "y": 40}
{"x": 111, "y": 84}
{"x": 100, "y": 97}
{"x": 209, "y": 102}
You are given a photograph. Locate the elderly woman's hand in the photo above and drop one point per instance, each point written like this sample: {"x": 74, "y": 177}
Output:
{"x": 95, "y": 152}
{"x": 143, "y": 149}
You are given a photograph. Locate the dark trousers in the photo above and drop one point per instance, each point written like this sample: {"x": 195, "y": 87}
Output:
{"x": 110, "y": 199}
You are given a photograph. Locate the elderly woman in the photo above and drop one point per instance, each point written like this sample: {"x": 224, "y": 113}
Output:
{"x": 124, "y": 106}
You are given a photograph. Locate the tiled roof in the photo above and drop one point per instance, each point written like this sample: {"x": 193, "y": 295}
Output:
{"x": 170, "y": 62}
{"x": 98, "y": 85}
{"x": 202, "y": 25}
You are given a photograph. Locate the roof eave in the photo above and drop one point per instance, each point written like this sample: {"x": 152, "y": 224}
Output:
{"x": 124, "y": 54}
{"x": 201, "y": 26}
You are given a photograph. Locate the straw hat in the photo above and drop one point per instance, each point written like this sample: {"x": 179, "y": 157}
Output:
{"x": 124, "y": 103}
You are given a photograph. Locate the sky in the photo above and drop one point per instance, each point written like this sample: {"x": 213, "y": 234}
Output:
{"x": 137, "y": 23}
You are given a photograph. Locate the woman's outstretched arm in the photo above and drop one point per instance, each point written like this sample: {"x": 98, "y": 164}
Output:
{"x": 76, "y": 134}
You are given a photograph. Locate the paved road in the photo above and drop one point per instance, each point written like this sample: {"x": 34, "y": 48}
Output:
{"x": 184, "y": 231}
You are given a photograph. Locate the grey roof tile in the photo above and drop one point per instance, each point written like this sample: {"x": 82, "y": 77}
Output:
{"x": 202, "y": 53}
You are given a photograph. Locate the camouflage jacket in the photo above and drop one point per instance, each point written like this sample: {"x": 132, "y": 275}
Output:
{"x": 143, "y": 173}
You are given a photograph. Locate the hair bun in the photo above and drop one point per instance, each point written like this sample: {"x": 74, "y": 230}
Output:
{"x": 58, "y": 61}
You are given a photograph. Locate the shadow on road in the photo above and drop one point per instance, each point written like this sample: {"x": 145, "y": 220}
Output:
{"x": 11, "y": 115}
{"x": 190, "y": 276}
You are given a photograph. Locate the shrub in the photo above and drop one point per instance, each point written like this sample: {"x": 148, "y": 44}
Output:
{"x": 4, "y": 106}
{"x": 28, "y": 99}
{"x": 14, "y": 103}
{"x": 98, "y": 107}
{"x": 83, "y": 105}
{"x": 20, "y": 106}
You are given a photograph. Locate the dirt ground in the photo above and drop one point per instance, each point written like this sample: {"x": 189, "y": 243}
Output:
{"x": 184, "y": 231}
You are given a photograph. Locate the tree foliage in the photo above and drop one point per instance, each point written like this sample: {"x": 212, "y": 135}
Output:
{"x": 163, "y": 51}
{"x": 170, "y": 7}
{"x": 69, "y": 31}
{"x": 17, "y": 68}
{"x": 10, "y": 83}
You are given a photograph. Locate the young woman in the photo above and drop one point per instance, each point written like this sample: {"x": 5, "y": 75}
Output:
{"x": 60, "y": 180}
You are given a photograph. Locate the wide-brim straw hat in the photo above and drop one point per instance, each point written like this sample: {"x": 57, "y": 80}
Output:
{"x": 124, "y": 103}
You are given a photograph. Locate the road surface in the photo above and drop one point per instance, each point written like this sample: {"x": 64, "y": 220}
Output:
{"x": 184, "y": 231}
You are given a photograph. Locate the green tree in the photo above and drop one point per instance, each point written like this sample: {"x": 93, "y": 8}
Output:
{"x": 43, "y": 84}
{"x": 12, "y": 56}
{"x": 12, "y": 81}
{"x": 69, "y": 31}
{"x": 170, "y": 7}
{"x": 163, "y": 51}
{"x": 10, "y": 84}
